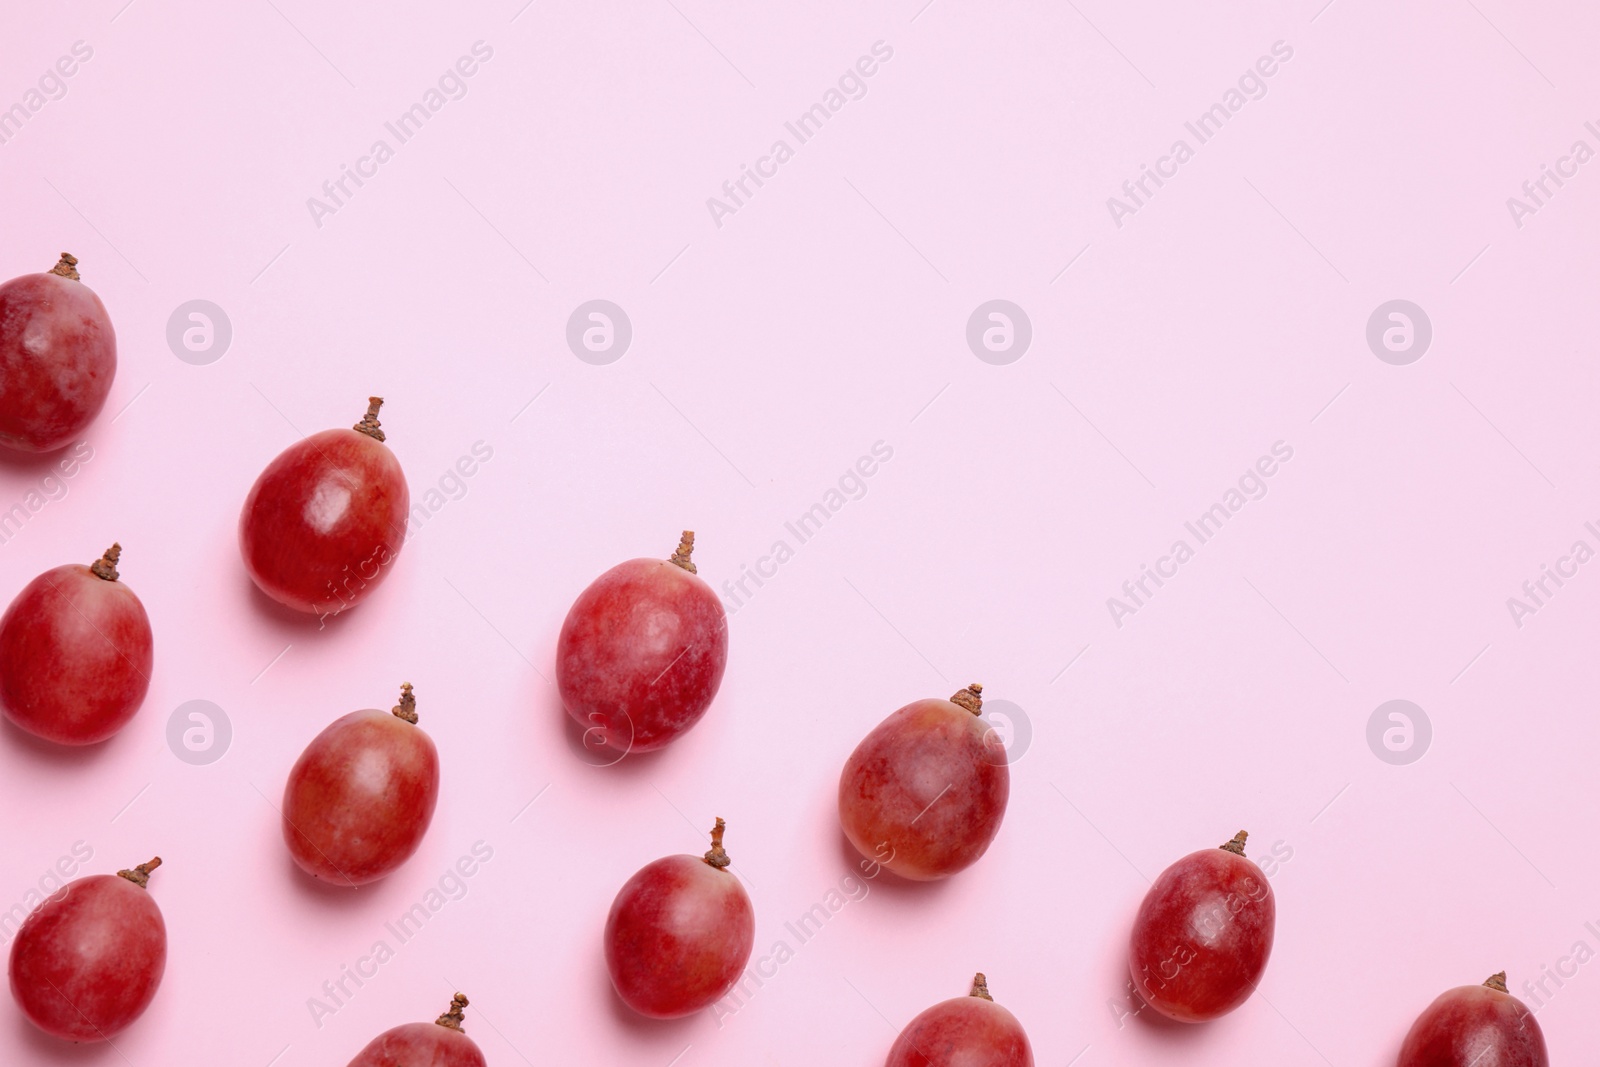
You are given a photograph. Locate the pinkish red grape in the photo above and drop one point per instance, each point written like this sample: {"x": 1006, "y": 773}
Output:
{"x": 88, "y": 961}
{"x": 441, "y": 1043}
{"x": 324, "y": 522}
{"x": 1475, "y": 1026}
{"x": 679, "y": 933}
{"x": 361, "y": 795}
{"x": 1203, "y": 934}
{"x": 642, "y": 652}
{"x": 75, "y": 653}
{"x": 924, "y": 792}
{"x": 58, "y": 355}
{"x": 969, "y": 1031}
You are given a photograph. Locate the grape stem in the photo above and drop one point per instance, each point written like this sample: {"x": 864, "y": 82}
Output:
{"x": 407, "y": 708}
{"x": 970, "y": 698}
{"x": 452, "y": 1019}
{"x": 980, "y": 987}
{"x": 1497, "y": 982}
{"x": 716, "y": 856}
{"x": 369, "y": 422}
{"x": 685, "y": 549}
{"x": 106, "y": 566}
{"x": 1236, "y": 846}
{"x": 67, "y": 267}
{"x": 140, "y": 875}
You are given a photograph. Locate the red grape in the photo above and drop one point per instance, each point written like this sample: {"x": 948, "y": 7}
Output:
{"x": 679, "y": 933}
{"x": 326, "y": 518}
{"x": 969, "y": 1031}
{"x": 361, "y": 795}
{"x": 88, "y": 961}
{"x": 58, "y": 354}
{"x": 1203, "y": 934}
{"x": 75, "y": 653}
{"x": 1475, "y": 1026}
{"x": 441, "y": 1043}
{"x": 642, "y": 652}
{"x": 924, "y": 792}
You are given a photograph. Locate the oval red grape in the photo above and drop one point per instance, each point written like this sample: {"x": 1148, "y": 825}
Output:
{"x": 924, "y": 793}
{"x": 324, "y": 522}
{"x": 58, "y": 356}
{"x": 1203, "y": 934}
{"x": 89, "y": 960}
{"x": 969, "y": 1031}
{"x": 442, "y": 1043}
{"x": 679, "y": 933}
{"x": 361, "y": 796}
{"x": 641, "y": 653}
{"x": 75, "y": 653}
{"x": 1475, "y": 1026}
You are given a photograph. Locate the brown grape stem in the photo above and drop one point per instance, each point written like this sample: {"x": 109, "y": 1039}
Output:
{"x": 369, "y": 422}
{"x": 407, "y": 708}
{"x": 140, "y": 875}
{"x": 980, "y": 987}
{"x": 685, "y": 549}
{"x": 970, "y": 698}
{"x": 452, "y": 1019}
{"x": 1236, "y": 846}
{"x": 106, "y": 566}
{"x": 716, "y": 856}
{"x": 1497, "y": 982}
{"x": 67, "y": 267}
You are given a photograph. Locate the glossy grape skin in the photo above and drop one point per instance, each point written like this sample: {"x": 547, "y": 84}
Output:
{"x": 1203, "y": 935}
{"x": 970, "y": 1031}
{"x": 641, "y": 653}
{"x": 1475, "y": 1026}
{"x": 360, "y": 797}
{"x": 679, "y": 935}
{"x": 58, "y": 356}
{"x": 88, "y": 961}
{"x": 324, "y": 522}
{"x": 924, "y": 793}
{"x": 76, "y": 653}
{"x": 436, "y": 1044}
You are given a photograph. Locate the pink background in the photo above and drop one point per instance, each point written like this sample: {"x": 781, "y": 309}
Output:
{"x": 768, "y": 354}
